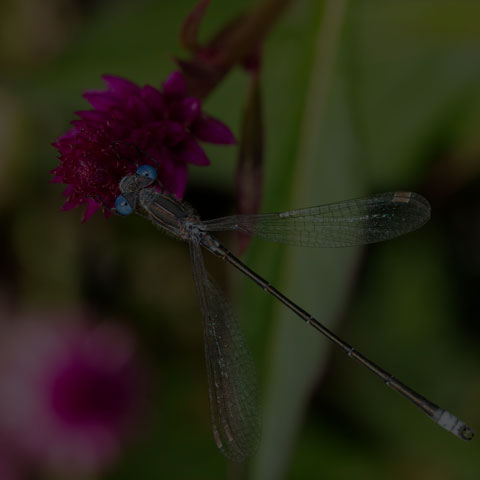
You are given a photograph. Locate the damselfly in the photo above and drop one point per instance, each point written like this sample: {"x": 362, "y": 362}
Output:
{"x": 230, "y": 370}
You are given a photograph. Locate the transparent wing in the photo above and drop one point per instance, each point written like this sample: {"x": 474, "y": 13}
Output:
{"x": 230, "y": 370}
{"x": 352, "y": 222}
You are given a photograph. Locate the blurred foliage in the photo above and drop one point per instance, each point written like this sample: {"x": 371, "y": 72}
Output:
{"x": 364, "y": 96}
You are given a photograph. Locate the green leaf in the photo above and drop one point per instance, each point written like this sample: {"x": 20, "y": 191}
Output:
{"x": 391, "y": 98}
{"x": 317, "y": 164}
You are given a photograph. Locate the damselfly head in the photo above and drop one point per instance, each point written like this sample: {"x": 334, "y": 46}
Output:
{"x": 131, "y": 185}
{"x": 147, "y": 171}
{"x": 143, "y": 177}
{"x": 123, "y": 206}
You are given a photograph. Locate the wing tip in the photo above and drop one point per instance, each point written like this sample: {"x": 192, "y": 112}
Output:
{"x": 416, "y": 200}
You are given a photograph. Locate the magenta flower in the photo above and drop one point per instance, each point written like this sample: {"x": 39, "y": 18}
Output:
{"x": 129, "y": 126}
{"x": 11, "y": 465}
{"x": 69, "y": 395}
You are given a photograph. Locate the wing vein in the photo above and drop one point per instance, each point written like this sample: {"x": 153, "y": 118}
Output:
{"x": 352, "y": 222}
{"x": 230, "y": 369}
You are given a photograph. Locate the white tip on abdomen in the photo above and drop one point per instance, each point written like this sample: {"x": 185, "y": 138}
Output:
{"x": 451, "y": 423}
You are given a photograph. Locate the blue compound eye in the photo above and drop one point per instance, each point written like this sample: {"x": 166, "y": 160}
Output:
{"x": 122, "y": 206}
{"x": 147, "y": 171}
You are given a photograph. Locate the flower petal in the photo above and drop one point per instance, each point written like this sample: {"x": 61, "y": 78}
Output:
{"x": 120, "y": 86}
{"x": 140, "y": 110}
{"x": 71, "y": 204}
{"x": 178, "y": 181}
{"x": 159, "y": 156}
{"x": 175, "y": 85}
{"x": 57, "y": 179}
{"x": 100, "y": 100}
{"x": 175, "y": 133}
{"x": 212, "y": 130}
{"x": 82, "y": 124}
{"x": 68, "y": 191}
{"x": 149, "y": 134}
{"x": 94, "y": 115}
{"x": 154, "y": 99}
{"x": 193, "y": 153}
{"x": 66, "y": 137}
{"x": 57, "y": 175}
{"x": 92, "y": 207}
{"x": 187, "y": 110}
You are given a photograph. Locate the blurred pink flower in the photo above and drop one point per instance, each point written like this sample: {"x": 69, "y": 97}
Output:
{"x": 11, "y": 467}
{"x": 130, "y": 126}
{"x": 69, "y": 395}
